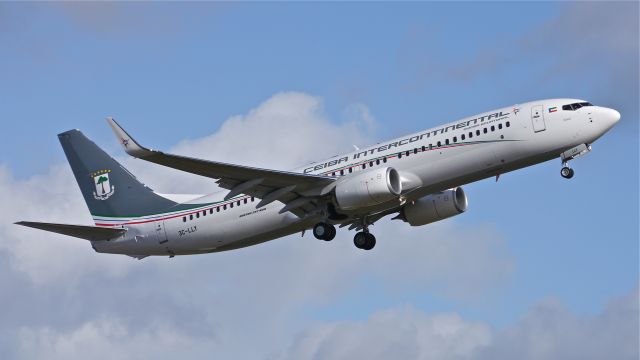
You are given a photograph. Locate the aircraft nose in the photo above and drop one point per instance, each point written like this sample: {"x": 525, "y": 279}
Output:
{"x": 610, "y": 115}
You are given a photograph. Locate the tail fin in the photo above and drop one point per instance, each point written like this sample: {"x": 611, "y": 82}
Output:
{"x": 108, "y": 188}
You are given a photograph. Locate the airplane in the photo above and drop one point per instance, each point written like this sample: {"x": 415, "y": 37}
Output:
{"x": 418, "y": 178}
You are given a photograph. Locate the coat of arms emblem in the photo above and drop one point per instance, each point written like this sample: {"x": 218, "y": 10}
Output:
{"x": 104, "y": 189}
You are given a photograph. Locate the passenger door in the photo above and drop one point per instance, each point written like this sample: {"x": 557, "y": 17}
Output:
{"x": 537, "y": 118}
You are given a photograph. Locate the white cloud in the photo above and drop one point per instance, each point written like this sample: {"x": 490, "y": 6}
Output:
{"x": 53, "y": 197}
{"x": 551, "y": 331}
{"x": 109, "y": 339}
{"x": 222, "y": 301}
{"x": 264, "y": 137}
{"x": 288, "y": 130}
{"x": 548, "y": 331}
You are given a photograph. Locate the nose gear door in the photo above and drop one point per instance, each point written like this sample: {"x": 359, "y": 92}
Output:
{"x": 537, "y": 118}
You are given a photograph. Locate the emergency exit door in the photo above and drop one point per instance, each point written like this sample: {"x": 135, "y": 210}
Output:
{"x": 537, "y": 118}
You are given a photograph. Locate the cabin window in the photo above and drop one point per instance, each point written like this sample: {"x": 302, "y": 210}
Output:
{"x": 446, "y": 141}
{"x": 462, "y": 137}
{"x": 246, "y": 200}
{"x": 210, "y": 211}
{"x": 238, "y": 203}
{"x": 508, "y": 124}
{"x": 500, "y": 126}
{"x": 424, "y": 148}
{"x": 455, "y": 139}
{"x": 408, "y": 152}
{"x": 484, "y": 130}
{"x": 439, "y": 144}
{"x": 493, "y": 128}
{"x": 378, "y": 162}
{"x": 415, "y": 150}
{"x": 400, "y": 155}
{"x": 384, "y": 159}
{"x": 224, "y": 207}
{"x": 477, "y": 132}
{"x": 430, "y": 146}
{"x": 204, "y": 212}
{"x": 342, "y": 172}
{"x": 371, "y": 164}
{"x": 218, "y": 209}
{"x": 198, "y": 215}
{"x": 191, "y": 217}
{"x": 364, "y": 166}
{"x": 184, "y": 219}
{"x": 350, "y": 170}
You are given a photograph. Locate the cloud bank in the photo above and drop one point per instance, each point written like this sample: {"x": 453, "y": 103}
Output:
{"x": 65, "y": 301}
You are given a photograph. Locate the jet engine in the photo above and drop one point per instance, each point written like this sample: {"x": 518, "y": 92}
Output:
{"x": 368, "y": 188}
{"x": 434, "y": 207}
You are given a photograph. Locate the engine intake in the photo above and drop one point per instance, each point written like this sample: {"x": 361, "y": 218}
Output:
{"x": 435, "y": 207}
{"x": 368, "y": 188}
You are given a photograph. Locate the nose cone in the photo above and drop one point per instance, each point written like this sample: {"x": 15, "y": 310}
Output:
{"x": 610, "y": 116}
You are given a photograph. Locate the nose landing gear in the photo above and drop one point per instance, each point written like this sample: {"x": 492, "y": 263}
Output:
{"x": 566, "y": 172}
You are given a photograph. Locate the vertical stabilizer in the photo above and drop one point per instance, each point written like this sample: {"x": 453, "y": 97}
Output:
{"x": 108, "y": 188}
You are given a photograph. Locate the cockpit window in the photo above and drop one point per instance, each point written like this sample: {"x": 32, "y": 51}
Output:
{"x": 575, "y": 106}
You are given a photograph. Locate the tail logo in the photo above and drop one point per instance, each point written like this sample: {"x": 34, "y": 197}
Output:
{"x": 104, "y": 189}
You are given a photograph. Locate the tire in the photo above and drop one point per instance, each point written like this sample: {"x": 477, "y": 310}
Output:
{"x": 371, "y": 242}
{"x": 320, "y": 231}
{"x": 360, "y": 240}
{"x": 566, "y": 172}
{"x": 331, "y": 234}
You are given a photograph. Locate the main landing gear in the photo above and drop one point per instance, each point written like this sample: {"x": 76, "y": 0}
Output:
{"x": 327, "y": 232}
{"x": 364, "y": 240}
{"x": 324, "y": 231}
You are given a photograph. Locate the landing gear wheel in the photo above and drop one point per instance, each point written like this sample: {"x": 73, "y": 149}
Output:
{"x": 566, "y": 172}
{"x": 371, "y": 242}
{"x": 324, "y": 231}
{"x": 360, "y": 240}
{"x": 332, "y": 233}
{"x": 364, "y": 240}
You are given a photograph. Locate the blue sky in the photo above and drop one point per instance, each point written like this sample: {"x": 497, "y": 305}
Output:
{"x": 192, "y": 77}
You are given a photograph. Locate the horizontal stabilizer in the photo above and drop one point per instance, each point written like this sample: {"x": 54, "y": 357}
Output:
{"x": 93, "y": 233}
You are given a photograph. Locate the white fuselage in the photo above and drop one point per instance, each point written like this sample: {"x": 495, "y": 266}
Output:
{"x": 429, "y": 161}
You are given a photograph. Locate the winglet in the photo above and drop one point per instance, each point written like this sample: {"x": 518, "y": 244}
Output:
{"x": 128, "y": 143}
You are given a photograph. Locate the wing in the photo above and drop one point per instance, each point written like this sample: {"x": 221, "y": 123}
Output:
{"x": 300, "y": 192}
{"x": 93, "y": 233}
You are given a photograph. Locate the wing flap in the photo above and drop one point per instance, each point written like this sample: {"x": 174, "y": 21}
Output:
{"x": 93, "y": 233}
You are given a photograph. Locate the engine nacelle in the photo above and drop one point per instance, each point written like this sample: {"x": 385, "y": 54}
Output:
{"x": 368, "y": 188}
{"x": 435, "y": 207}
